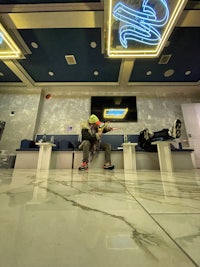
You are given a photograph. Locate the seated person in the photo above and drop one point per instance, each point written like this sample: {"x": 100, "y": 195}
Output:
{"x": 91, "y": 137}
{"x": 146, "y": 137}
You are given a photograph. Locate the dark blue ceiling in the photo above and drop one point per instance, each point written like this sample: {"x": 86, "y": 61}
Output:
{"x": 184, "y": 47}
{"x": 6, "y": 75}
{"x": 54, "y": 44}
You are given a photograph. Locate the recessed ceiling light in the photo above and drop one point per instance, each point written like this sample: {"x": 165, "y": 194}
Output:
{"x": 34, "y": 45}
{"x": 1, "y": 74}
{"x": 93, "y": 44}
{"x": 164, "y": 59}
{"x": 70, "y": 59}
{"x": 51, "y": 73}
{"x": 149, "y": 73}
{"x": 169, "y": 73}
{"x": 96, "y": 73}
{"x": 188, "y": 72}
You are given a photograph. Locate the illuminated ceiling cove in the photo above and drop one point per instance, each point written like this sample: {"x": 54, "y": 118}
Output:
{"x": 8, "y": 49}
{"x": 140, "y": 28}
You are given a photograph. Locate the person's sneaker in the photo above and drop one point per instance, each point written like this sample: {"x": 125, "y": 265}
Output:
{"x": 147, "y": 134}
{"x": 108, "y": 166}
{"x": 84, "y": 166}
{"x": 175, "y": 130}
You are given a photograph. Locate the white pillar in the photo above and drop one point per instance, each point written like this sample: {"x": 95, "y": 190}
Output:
{"x": 44, "y": 157}
{"x": 129, "y": 156}
{"x": 165, "y": 156}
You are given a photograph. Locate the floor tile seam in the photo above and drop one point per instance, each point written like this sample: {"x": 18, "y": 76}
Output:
{"x": 157, "y": 223}
{"x": 175, "y": 213}
{"x": 175, "y": 242}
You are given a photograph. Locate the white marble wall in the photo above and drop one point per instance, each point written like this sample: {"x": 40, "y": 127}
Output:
{"x": 20, "y": 125}
{"x": 63, "y": 113}
{"x": 59, "y": 113}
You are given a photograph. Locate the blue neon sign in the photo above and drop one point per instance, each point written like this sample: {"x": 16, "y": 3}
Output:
{"x": 140, "y": 26}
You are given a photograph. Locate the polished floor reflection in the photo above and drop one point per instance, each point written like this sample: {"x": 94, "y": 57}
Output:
{"x": 99, "y": 218}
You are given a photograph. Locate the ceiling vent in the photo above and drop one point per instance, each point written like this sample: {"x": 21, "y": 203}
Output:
{"x": 164, "y": 59}
{"x": 70, "y": 59}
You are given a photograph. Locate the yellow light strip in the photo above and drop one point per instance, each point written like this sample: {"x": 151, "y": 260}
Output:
{"x": 14, "y": 50}
{"x": 172, "y": 20}
{"x": 109, "y": 26}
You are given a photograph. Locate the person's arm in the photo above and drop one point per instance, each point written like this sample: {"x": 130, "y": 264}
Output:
{"x": 86, "y": 135}
{"x": 106, "y": 128}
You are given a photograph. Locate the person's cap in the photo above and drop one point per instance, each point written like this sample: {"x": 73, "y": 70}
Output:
{"x": 94, "y": 119}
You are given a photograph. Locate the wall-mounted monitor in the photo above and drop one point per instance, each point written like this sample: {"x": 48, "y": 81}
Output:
{"x": 114, "y": 108}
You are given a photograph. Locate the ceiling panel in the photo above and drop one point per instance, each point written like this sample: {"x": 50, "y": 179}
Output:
{"x": 184, "y": 63}
{"x": 54, "y": 44}
{"x": 6, "y": 75}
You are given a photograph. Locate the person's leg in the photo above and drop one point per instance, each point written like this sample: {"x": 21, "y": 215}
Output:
{"x": 173, "y": 132}
{"x": 107, "y": 149}
{"x": 85, "y": 146}
{"x": 141, "y": 139}
{"x": 164, "y": 134}
{"x": 86, "y": 150}
{"x": 149, "y": 147}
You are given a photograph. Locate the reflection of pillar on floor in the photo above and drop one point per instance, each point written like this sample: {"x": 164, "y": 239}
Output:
{"x": 129, "y": 156}
{"x": 40, "y": 188}
{"x": 169, "y": 184}
{"x": 44, "y": 157}
{"x": 165, "y": 156}
{"x": 131, "y": 177}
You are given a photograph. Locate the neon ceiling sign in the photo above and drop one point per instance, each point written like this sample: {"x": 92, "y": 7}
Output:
{"x": 140, "y": 26}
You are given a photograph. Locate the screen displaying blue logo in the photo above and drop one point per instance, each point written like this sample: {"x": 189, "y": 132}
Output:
{"x": 115, "y": 113}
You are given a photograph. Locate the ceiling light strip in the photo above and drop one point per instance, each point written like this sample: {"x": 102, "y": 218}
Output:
{"x": 10, "y": 50}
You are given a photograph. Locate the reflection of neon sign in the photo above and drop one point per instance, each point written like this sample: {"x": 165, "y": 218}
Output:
{"x": 140, "y": 26}
{"x": 115, "y": 113}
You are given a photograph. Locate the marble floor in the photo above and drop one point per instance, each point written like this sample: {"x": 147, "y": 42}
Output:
{"x": 99, "y": 218}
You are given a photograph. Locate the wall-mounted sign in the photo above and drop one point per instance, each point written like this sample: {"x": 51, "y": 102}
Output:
{"x": 139, "y": 28}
